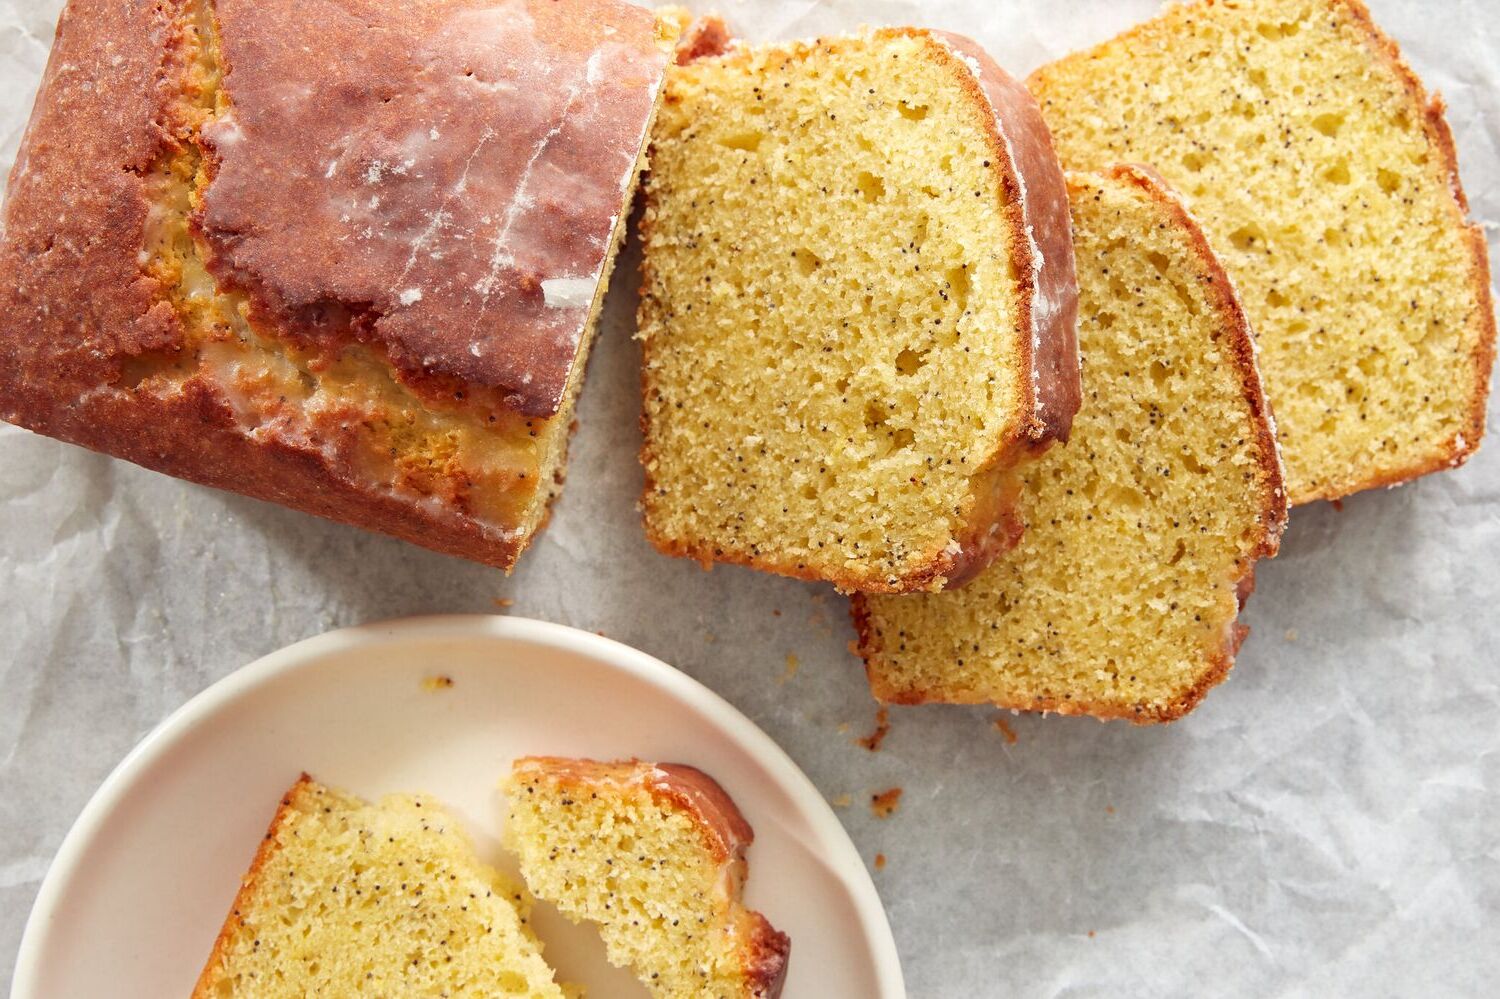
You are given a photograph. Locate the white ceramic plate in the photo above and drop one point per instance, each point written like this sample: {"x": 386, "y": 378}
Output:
{"x": 136, "y": 895}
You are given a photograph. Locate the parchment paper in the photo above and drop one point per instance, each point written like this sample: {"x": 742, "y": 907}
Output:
{"x": 1328, "y": 822}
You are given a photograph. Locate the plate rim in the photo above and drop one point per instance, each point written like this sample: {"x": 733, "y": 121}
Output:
{"x": 63, "y": 869}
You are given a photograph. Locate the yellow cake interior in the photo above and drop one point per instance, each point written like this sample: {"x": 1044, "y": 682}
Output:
{"x": 640, "y": 869}
{"x": 1118, "y": 599}
{"x": 829, "y": 309}
{"x": 1308, "y": 160}
{"x": 388, "y": 899}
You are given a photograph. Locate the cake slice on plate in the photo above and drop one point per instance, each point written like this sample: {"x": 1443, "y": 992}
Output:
{"x": 1326, "y": 179}
{"x": 1121, "y": 600}
{"x": 654, "y": 854}
{"x": 857, "y": 312}
{"x": 346, "y": 898}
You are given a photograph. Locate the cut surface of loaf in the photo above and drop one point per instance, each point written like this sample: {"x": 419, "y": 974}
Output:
{"x": 1121, "y": 599}
{"x": 1326, "y": 179}
{"x": 346, "y": 898}
{"x": 655, "y": 856}
{"x": 364, "y": 287}
{"x": 858, "y": 306}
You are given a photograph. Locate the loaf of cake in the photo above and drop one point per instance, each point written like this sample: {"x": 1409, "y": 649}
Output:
{"x": 345, "y": 255}
{"x": 654, "y": 854}
{"x": 858, "y": 309}
{"x": 346, "y": 898}
{"x": 1121, "y": 600}
{"x": 1326, "y": 180}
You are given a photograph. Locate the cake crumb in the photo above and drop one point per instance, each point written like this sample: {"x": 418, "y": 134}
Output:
{"x": 503, "y": 602}
{"x": 791, "y": 668}
{"x": 843, "y": 728}
{"x": 439, "y": 681}
{"x": 1291, "y": 634}
{"x": 882, "y": 729}
{"x": 885, "y": 803}
{"x": 1003, "y": 727}
{"x": 775, "y": 611}
{"x": 1091, "y": 934}
{"x": 880, "y": 861}
{"x": 1109, "y": 809}
{"x": 842, "y": 801}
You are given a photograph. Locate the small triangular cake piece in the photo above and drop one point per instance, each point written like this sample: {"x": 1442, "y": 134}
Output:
{"x": 361, "y": 286}
{"x": 1327, "y": 181}
{"x": 654, "y": 854}
{"x": 1121, "y": 600}
{"x": 346, "y": 898}
{"x": 858, "y": 308}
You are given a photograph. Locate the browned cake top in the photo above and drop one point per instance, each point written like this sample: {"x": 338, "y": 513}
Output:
{"x": 339, "y": 254}
{"x": 447, "y": 176}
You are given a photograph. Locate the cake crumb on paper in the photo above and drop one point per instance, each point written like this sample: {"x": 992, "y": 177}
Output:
{"x": 1003, "y": 727}
{"x": 1291, "y": 634}
{"x": 885, "y": 803}
{"x": 792, "y": 665}
{"x": 880, "y": 861}
{"x": 842, "y": 801}
{"x": 436, "y": 682}
{"x": 882, "y": 729}
{"x": 504, "y": 602}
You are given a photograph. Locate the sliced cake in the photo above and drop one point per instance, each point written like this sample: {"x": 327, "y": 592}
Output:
{"x": 655, "y": 856}
{"x": 858, "y": 309}
{"x": 1121, "y": 600}
{"x": 1326, "y": 179}
{"x": 346, "y": 255}
{"x": 346, "y": 898}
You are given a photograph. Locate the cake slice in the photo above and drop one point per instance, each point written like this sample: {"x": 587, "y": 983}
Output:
{"x": 1326, "y": 179}
{"x": 655, "y": 855}
{"x": 346, "y": 255}
{"x": 346, "y": 898}
{"x": 1121, "y": 600}
{"x": 858, "y": 309}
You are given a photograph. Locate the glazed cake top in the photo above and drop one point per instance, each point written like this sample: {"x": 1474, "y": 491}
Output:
{"x": 440, "y": 181}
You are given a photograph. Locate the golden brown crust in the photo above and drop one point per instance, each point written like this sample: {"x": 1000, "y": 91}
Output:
{"x": 703, "y": 38}
{"x": 208, "y": 978}
{"x": 764, "y": 954}
{"x": 78, "y": 309}
{"x": 1034, "y": 200}
{"x": 1271, "y": 522}
{"x": 726, "y": 834}
{"x": 1429, "y": 109}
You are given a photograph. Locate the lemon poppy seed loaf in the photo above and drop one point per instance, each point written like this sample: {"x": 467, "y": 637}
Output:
{"x": 1121, "y": 600}
{"x": 1326, "y": 179}
{"x": 654, "y": 854}
{"x": 347, "y": 899}
{"x": 858, "y": 309}
{"x": 361, "y": 286}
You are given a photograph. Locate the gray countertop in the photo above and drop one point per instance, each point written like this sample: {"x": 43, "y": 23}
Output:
{"x": 1328, "y": 822}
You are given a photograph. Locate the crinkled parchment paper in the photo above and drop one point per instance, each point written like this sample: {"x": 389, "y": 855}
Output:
{"x": 1327, "y": 823}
